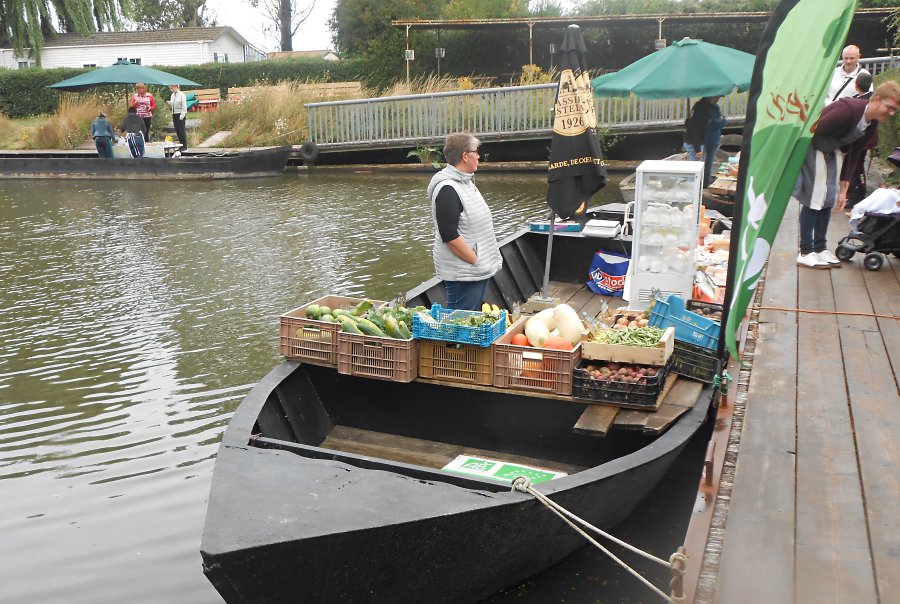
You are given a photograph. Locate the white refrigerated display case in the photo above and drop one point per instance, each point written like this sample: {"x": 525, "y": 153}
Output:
{"x": 664, "y": 217}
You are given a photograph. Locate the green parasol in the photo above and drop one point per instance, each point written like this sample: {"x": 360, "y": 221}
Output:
{"x": 687, "y": 68}
{"x": 122, "y": 72}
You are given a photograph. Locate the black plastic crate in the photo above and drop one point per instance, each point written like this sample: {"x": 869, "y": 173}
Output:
{"x": 694, "y": 362}
{"x": 643, "y": 394}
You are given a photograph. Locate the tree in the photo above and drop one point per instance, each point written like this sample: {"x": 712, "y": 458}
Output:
{"x": 486, "y": 9}
{"x": 359, "y": 26}
{"x": 165, "y": 14}
{"x": 286, "y": 16}
{"x": 25, "y": 23}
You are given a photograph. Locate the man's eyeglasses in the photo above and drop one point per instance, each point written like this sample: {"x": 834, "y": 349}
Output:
{"x": 475, "y": 152}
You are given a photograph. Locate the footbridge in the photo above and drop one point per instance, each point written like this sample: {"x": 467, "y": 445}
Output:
{"x": 500, "y": 114}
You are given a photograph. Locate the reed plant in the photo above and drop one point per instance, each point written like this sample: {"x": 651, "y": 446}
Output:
{"x": 267, "y": 115}
{"x": 70, "y": 127}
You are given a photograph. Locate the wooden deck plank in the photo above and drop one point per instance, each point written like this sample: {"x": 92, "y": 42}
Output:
{"x": 757, "y": 561}
{"x": 832, "y": 554}
{"x": 875, "y": 404}
{"x": 781, "y": 278}
{"x": 427, "y": 453}
{"x": 867, "y": 345}
{"x": 596, "y": 420}
{"x": 883, "y": 286}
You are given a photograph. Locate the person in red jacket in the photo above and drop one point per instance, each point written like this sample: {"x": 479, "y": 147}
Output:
{"x": 145, "y": 105}
{"x": 842, "y": 134}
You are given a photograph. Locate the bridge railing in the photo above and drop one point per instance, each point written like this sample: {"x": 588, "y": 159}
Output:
{"x": 496, "y": 113}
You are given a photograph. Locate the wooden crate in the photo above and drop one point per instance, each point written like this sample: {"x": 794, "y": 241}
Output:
{"x": 598, "y": 351}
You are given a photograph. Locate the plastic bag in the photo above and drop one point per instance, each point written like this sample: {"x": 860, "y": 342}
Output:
{"x": 607, "y": 275}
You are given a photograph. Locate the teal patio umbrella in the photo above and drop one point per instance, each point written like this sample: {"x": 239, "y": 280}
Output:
{"x": 121, "y": 72}
{"x": 687, "y": 68}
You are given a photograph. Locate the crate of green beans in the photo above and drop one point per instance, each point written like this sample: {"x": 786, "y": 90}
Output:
{"x": 642, "y": 345}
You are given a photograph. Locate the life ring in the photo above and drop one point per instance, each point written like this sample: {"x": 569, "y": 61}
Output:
{"x": 309, "y": 151}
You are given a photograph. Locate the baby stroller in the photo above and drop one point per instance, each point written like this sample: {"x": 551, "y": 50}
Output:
{"x": 874, "y": 235}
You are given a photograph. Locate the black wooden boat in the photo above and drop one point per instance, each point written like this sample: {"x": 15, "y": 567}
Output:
{"x": 211, "y": 165}
{"x": 328, "y": 488}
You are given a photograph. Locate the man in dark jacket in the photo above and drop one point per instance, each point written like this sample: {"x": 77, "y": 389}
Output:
{"x": 846, "y": 127}
{"x": 133, "y": 129}
{"x": 103, "y": 135}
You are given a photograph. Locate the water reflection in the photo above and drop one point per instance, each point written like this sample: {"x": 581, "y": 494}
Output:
{"x": 134, "y": 317}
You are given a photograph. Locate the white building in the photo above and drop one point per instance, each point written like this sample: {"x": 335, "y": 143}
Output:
{"x": 180, "y": 46}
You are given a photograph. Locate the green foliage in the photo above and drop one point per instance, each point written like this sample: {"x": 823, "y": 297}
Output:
{"x": 359, "y": 26}
{"x": 428, "y": 155}
{"x": 24, "y": 92}
{"x": 25, "y": 23}
{"x": 485, "y": 9}
{"x": 888, "y": 131}
{"x": 166, "y": 14}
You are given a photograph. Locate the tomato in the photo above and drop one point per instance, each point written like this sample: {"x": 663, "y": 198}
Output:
{"x": 519, "y": 340}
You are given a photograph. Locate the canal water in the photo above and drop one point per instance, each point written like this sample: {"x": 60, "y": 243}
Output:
{"x": 134, "y": 316}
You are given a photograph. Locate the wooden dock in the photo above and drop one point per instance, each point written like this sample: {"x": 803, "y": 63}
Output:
{"x": 809, "y": 509}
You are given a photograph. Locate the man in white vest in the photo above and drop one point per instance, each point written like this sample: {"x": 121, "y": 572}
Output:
{"x": 466, "y": 254}
{"x": 842, "y": 82}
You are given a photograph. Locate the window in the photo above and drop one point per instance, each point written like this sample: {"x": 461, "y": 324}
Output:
{"x": 26, "y": 64}
{"x": 226, "y": 57}
{"x": 215, "y": 57}
{"x": 89, "y": 65}
{"x": 132, "y": 61}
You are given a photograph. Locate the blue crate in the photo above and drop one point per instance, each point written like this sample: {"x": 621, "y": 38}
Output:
{"x": 689, "y": 327}
{"x": 483, "y": 335}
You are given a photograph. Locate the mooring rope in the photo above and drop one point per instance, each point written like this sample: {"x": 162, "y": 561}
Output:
{"x": 829, "y": 312}
{"x": 523, "y": 485}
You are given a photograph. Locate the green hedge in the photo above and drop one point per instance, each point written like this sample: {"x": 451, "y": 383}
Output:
{"x": 24, "y": 92}
{"x": 889, "y": 131}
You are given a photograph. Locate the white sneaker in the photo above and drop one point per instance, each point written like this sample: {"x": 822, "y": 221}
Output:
{"x": 830, "y": 258}
{"x": 811, "y": 261}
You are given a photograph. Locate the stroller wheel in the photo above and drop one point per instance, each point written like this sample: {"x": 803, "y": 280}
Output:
{"x": 844, "y": 253}
{"x": 873, "y": 261}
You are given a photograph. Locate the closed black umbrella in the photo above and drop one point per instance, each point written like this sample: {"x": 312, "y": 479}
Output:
{"x": 576, "y": 169}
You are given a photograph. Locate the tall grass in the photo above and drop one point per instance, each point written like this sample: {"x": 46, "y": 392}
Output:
{"x": 70, "y": 127}
{"x": 268, "y": 115}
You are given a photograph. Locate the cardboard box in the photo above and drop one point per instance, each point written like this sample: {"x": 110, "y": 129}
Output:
{"x": 597, "y": 351}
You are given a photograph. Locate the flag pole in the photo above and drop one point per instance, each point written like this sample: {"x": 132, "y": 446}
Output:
{"x": 545, "y": 297}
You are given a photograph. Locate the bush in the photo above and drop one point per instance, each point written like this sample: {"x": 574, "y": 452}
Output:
{"x": 24, "y": 92}
{"x": 889, "y": 131}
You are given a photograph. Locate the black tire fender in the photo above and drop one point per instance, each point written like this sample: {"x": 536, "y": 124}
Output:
{"x": 309, "y": 151}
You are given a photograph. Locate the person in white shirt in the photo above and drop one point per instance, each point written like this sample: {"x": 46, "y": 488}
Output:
{"x": 844, "y": 76}
{"x": 178, "y": 102}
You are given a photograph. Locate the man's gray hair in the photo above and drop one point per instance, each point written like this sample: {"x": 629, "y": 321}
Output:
{"x": 458, "y": 143}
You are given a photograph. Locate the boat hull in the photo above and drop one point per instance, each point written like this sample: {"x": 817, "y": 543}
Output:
{"x": 208, "y": 166}
{"x": 283, "y": 526}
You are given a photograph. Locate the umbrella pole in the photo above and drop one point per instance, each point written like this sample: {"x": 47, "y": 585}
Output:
{"x": 546, "y": 287}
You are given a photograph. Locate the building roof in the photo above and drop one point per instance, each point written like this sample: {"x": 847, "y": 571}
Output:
{"x": 157, "y": 36}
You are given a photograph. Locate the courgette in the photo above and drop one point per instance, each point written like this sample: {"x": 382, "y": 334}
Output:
{"x": 392, "y": 328}
{"x": 404, "y": 330}
{"x": 369, "y": 328}
{"x": 349, "y": 326}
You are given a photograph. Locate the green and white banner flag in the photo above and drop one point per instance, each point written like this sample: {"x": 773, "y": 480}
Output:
{"x": 797, "y": 56}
